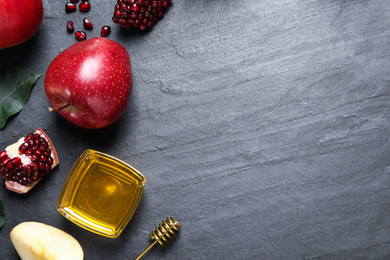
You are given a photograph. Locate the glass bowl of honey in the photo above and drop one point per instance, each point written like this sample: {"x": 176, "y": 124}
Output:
{"x": 101, "y": 193}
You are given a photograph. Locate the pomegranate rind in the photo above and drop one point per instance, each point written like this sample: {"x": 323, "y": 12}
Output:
{"x": 22, "y": 189}
{"x": 19, "y": 188}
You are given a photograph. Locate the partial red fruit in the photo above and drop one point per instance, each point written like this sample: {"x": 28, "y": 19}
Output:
{"x": 139, "y": 13}
{"x": 25, "y": 162}
{"x": 19, "y": 21}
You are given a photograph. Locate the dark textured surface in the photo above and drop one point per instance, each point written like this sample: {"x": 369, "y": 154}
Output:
{"x": 261, "y": 126}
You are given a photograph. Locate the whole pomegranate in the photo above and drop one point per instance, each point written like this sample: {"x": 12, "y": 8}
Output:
{"x": 19, "y": 21}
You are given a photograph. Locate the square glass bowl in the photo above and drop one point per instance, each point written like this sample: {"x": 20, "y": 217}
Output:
{"x": 101, "y": 193}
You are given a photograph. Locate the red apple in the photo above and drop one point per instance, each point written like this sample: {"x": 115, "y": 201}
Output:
{"x": 90, "y": 82}
{"x": 19, "y": 21}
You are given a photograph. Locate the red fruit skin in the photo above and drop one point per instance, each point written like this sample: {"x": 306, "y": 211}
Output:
{"x": 94, "y": 78}
{"x": 19, "y": 20}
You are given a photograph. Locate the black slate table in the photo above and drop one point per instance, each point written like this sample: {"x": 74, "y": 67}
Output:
{"x": 262, "y": 127}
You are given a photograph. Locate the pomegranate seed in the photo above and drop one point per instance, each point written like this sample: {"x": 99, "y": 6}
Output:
{"x": 50, "y": 160}
{"x": 28, "y": 180}
{"x": 74, "y": 1}
{"x": 80, "y": 35}
{"x": 69, "y": 27}
{"x": 29, "y": 151}
{"x": 29, "y": 170}
{"x": 87, "y": 24}
{"x": 106, "y": 30}
{"x": 29, "y": 137}
{"x": 38, "y": 142}
{"x": 9, "y": 165}
{"x": 21, "y": 150}
{"x": 3, "y": 154}
{"x": 35, "y": 166}
{"x": 41, "y": 165}
{"x": 84, "y": 6}
{"x": 70, "y": 7}
{"x": 34, "y": 158}
{"x": 135, "y": 8}
{"x": 6, "y": 160}
{"x": 16, "y": 161}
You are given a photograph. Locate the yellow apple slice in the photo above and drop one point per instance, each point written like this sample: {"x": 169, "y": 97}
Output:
{"x": 38, "y": 241}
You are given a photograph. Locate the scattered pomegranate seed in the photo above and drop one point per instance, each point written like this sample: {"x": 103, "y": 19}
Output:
{"x": 106, "y": 30}
{"x": 74, "y": 1}
{"x": 70, "y": 27}
{"x": 84, "y": 6}
{"x": 80, "y": 35}
{"x": 87, "y": 24}
{"x": 70, "y": 7}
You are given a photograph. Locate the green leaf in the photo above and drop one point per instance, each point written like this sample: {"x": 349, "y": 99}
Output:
{"x": 2, "y": 215}
{"x": 15, "y": 85}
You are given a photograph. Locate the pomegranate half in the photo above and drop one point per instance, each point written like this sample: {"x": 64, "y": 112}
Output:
{"x": 25, "y": 162}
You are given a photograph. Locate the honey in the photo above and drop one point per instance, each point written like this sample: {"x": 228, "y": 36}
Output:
{"x": 101, "y": 193}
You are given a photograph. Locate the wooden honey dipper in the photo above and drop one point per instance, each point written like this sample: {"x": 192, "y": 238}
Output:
{"x": 165, "y": 231}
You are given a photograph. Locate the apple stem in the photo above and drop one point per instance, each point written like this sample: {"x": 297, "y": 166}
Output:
{"x": 57, "y": 108}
